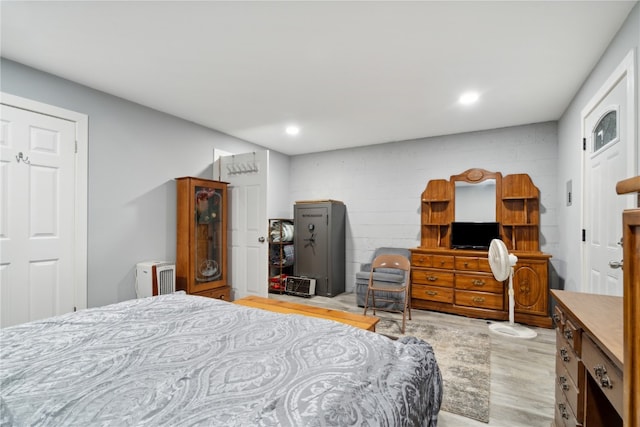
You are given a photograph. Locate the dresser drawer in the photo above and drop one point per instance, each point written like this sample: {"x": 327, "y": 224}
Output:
{"x": 431, "y": 277}
{"x": 564, "y": 416}
{"x": 572, "y": 335}
{"x": 570, "y": 390}
{"x": 464, "y": 263}
{"x": 558, "y": 317}
{"x": 432, "y": 261}
{"x": 223, "y": 293}
{"x": 432, "y": 293}
{"x": 604, "y": 372}
{"x": 479, "y": 282}
{"x": 480, "y": 300}
{"x": 567, "y": 356}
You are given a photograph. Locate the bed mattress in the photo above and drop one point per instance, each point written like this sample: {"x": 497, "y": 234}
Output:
{"x": 179, "y": 359}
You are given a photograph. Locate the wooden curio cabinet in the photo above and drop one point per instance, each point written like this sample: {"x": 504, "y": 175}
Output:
{"x": 201, "y": 255}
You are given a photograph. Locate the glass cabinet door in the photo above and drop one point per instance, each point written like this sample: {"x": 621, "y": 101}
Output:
{"x": 208, "y": 233}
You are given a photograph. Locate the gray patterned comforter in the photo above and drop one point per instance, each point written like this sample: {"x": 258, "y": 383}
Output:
{"x": 182, "y": 360}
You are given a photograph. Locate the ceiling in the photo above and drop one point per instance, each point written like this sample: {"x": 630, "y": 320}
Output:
{"x": 348, "y": 73}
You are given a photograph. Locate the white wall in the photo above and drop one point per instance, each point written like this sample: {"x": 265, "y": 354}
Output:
{"x": 134, "y": 155}
{"x": 569, "y": 259}
{"x": 381, "y": 184}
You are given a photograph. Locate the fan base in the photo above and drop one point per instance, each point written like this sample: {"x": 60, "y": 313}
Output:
{"x": 513, "y": 330}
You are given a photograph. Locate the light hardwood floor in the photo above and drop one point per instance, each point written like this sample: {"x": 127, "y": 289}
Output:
{"x": 522, "y": 371}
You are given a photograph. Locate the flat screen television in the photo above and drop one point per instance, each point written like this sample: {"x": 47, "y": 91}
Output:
{"x": 473, "y": 235}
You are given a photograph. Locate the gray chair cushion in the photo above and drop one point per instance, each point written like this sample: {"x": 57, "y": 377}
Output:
{"x": 387, "y": 276}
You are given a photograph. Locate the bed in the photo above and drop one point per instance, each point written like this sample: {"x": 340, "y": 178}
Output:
{"x": 178, "y": 359}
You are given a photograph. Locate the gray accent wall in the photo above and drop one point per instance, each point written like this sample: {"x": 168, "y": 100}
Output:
{"x": 134, "y": 155}
{"x": 381, "y": 185}
{"x": 136, "y": 152}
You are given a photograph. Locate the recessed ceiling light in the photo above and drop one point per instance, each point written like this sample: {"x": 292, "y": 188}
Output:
{"x": 292, "y": 130}
{"x": 468, "y": 98}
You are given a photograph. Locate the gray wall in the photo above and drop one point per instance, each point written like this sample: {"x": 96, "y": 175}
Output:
{"x": 381, "y": 184}
{"x": 135, "y": 152}
{"x": 134, "y": 155}
{"x": 570, "y": 154}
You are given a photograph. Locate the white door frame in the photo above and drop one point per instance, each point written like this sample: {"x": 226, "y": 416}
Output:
{"x": 626, "y": 68}
{"x": 81, "y": 189}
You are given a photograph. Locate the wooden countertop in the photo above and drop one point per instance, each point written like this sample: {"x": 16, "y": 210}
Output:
{"x": 601, "y": 316}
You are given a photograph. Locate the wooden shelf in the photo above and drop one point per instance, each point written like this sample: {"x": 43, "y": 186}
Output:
{"x": 436, "y": 213}
{"x": 278, "y": 271}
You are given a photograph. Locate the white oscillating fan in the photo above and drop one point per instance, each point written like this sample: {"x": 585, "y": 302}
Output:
{"x": 502, "y": 262}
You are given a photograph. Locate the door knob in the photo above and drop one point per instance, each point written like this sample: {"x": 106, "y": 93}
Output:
{"x": 615, "y": 264}
{"x": 261, "y": 239}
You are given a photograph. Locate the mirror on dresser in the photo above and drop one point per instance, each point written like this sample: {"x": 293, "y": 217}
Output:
{"x": 475, "y": 202}
{"x": 475, "y": 193}
{"x": 455, "y": 278}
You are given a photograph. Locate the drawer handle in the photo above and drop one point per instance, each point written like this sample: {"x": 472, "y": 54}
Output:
{"x": 432, "y": 278}
{"x": 601, "y": 374}
{"x": 441, "y": 262}
{"x": 564, "y": 354}
{"x": 556, "y": 318}
{"x": 562, "y": 381}
{"x": 466, "y": 264}
{"x": 605, "y": 382}
{"x": 563, "y": 410}
{"x": 568, "y": 334}
{"x": 421, "y": 260}
{"x": 477, "y": 299}
{"x": 432, "y": 293}
{"x": 478, "y": 282}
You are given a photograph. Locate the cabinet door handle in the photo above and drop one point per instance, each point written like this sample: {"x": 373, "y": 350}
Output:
{"x": 477, "y": 299}
{"x": 478, "y": 282}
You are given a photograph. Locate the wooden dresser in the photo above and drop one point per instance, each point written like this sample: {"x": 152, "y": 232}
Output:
{"x": 589, "y": 359}
{"x": 460, "y": 281}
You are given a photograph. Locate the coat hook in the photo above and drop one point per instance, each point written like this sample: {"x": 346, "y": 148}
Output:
{"x": 24, "y": 158}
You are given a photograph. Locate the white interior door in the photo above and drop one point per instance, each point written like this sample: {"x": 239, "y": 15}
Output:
{"x": 609, "y": 157}
{"x": 247, "y": 177}
{"x": 38, "y": 243}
